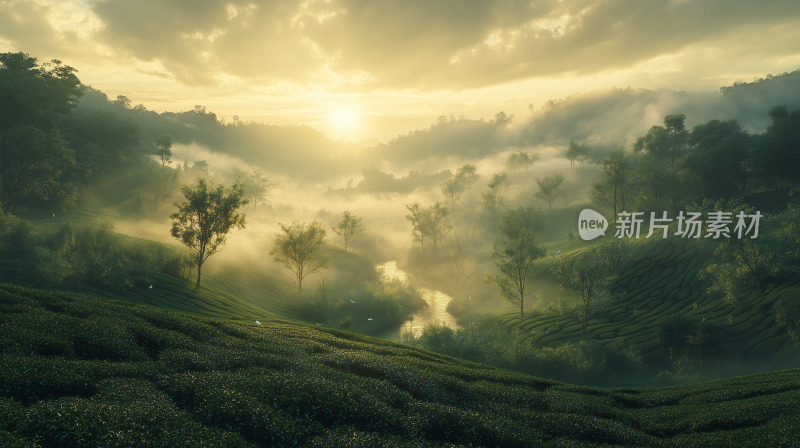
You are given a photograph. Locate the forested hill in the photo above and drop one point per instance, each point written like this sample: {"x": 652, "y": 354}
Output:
{"x": 603, "y": 119}
{"x": 302, "y": 150}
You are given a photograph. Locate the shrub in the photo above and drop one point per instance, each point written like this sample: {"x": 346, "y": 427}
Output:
{"x": 690, "y": 342}
{"x": 787, "y": 314}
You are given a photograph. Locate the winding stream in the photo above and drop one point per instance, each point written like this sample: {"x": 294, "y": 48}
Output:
{"x": 436, "y": 311}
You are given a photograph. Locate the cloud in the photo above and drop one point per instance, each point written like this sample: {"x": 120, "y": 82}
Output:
{"x": 368, "y": 45}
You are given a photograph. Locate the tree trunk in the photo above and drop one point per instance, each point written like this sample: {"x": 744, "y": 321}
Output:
{"x": 199, "y": 266}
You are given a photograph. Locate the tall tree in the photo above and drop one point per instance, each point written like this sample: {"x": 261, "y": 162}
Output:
{"x": 721, "y": 157}
{"x": 614, "y": 186}
{"x": 164, "y": 143}
{"x": 526, "y": 159}
{"x": 656, "y": 182}
{"x": 656, "y": 143}
{"x": 576, "y": 151}
{"x": 438, "y": 223}
{"x": 588, "y": 276}
{"x": 32, "y": 155}
{"x": 419, "y": 222}
{"x": 349, "y": 228}
{"x": 259, "y": 185}
{"x": 469, "y": 174}
{"x": 513, "y": 162}
{"x": 674, "y": 124}
{"x": 500, "y": 183}
{"x": 549, "y": 189}
{"x": 206, "y": 217}
{"x": 452, "y": 190}
{"x": 162, "y": 181}
{"x": 299, "y": 249}
{"x": 780, "y": 154}
{"x": 514, "y": 254}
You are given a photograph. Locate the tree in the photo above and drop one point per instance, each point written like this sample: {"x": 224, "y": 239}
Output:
{"x": 575, "y": 152}
{"x": 674, "y": 124}
{"x": 513, "y": 162}
{"x": 526, "y": 159}
{"x": 657, "y": 184}
{"x": 780, "y": 153}
{"x": 452, "y": 190}
{"x": 614, "y": 186}
{"x": 298, "y": 248}
{"x": 161, "y": 182}
{"x": 206, "y": 218}
{"x": 419, "y": 222}
{"x": 468, "y": 174}
{"x": 164, "y": 143}
{"x": 349, "y": 228}
{"x": 514, "y": 254}
{"x": 259, "y": 186}
{"x": 656, "y": 143}
{"x": 456, "y": 256}
{"x": 500, "y": 183}
{"x": 549, "y": 189}
{"x": 588, "y": 276}
{"x": 32, "y": 162}
{"x": 438, "y": 223}
{"x": 721, "y": 156}
{"x": 32, "y": 155}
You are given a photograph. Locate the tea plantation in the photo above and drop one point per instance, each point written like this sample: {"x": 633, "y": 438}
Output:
{"x": 83, "y": 371}
{"x": 663, "y": 280}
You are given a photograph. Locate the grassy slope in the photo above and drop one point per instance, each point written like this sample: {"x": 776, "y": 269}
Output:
{"x": 82, "y": 372}
{"x": 249, "y": 282}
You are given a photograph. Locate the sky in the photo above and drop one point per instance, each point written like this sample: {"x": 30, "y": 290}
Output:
{"x": 361, "y": 70}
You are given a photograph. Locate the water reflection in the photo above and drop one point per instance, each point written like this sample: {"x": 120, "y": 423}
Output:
{"x": 436, "y": 311}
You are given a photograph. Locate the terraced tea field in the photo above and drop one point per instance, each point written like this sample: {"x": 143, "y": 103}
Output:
{"x": 82, "y": 372}
{"x": 663, "y": 280}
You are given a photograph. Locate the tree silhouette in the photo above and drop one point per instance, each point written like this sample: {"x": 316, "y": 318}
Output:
{"x": 206, "y": 218}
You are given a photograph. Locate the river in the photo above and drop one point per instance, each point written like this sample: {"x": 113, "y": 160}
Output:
{"x": 436, "y": 311}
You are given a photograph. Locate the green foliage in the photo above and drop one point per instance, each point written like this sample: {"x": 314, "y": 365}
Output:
{"x": 206, "y": 218}
{"x": 588, "y": 363}
{"x": 258, "y": 186}
{"x": 452, "y": 190}
{"x": 576, "y": 151}
{"x": 747, "y": 261}
{"x": 299, "y": 248}
{"x": 346, "y": 323}
{"x": 614, "y": 188}
{"x": 164, "y": 143}
{"x": 788, "y": 315}
{"x": 690, "y": 342}
{"x": 430, "y": 223}
{"x": 549, "y": 189}
{"x": 589, "y": 276}
{"x": 514, "y": 254}
{"x": 70, "y": 257}
{"x": 468, "y": 174}
{"x": 369, "y": 308}
{"x": 349, "y": 228}
{"x": 32, "y": 162}
{"x": 225, "y": 384}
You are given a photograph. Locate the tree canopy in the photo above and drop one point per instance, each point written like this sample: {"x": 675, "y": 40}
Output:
{"x": 299, "y": 249}
{"x": 206, "y": 217}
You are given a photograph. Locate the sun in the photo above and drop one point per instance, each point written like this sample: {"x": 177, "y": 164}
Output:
{"x": 344, "y": 121}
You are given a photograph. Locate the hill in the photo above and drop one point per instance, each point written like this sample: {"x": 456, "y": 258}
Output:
{"x": 79, "y": 371}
